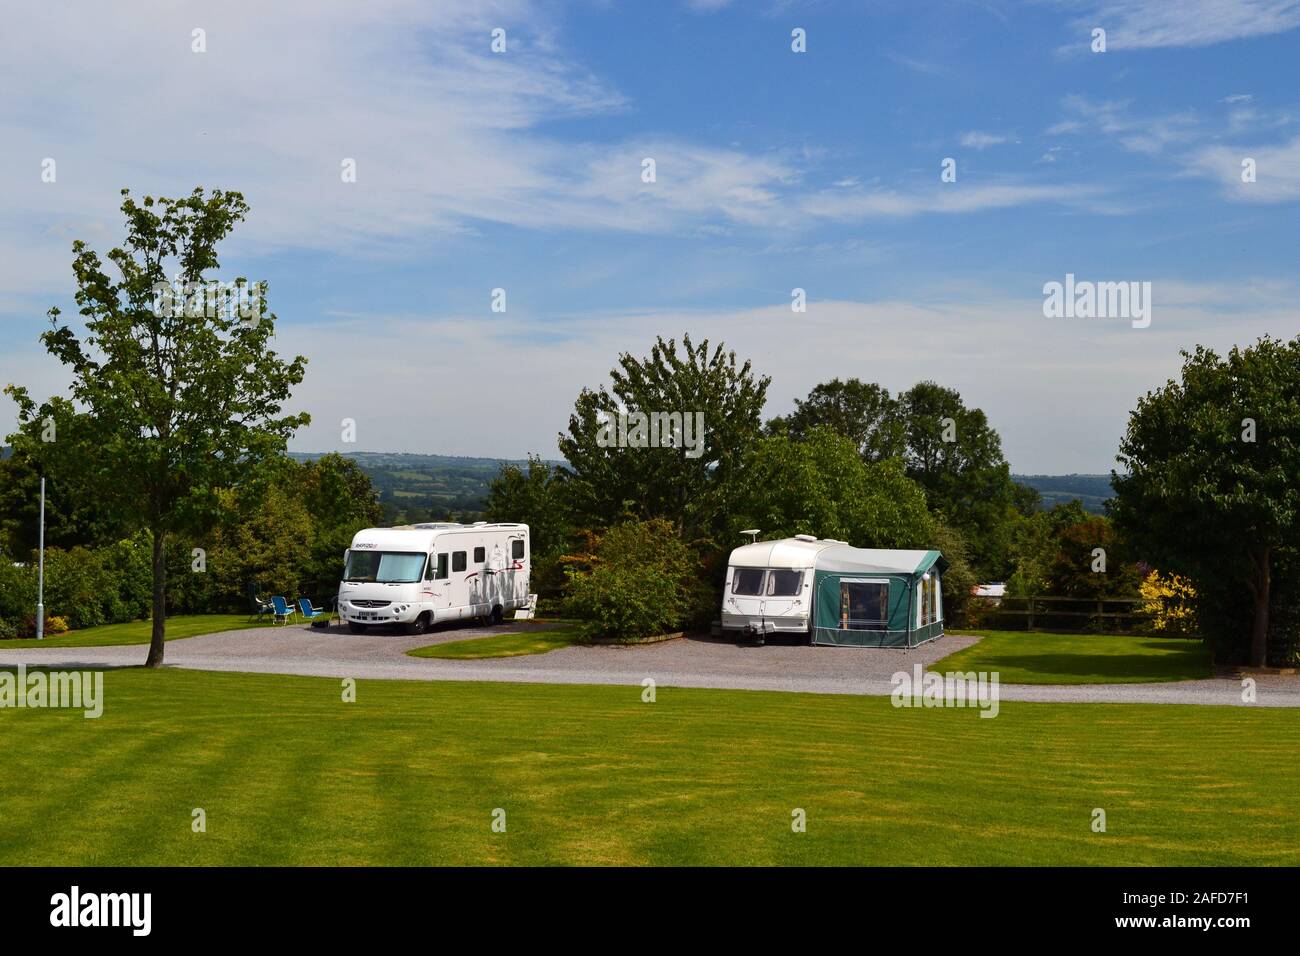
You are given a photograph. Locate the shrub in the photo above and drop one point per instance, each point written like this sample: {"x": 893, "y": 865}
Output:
{"x": 638, "y": 579}
{"x": 1168, "y": 605}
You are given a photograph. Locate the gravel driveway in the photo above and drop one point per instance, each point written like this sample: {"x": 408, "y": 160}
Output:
{"x": 686, "y": 662}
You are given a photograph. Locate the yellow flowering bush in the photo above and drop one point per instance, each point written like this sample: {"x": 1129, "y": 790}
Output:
{"x": 1168, "y": 605}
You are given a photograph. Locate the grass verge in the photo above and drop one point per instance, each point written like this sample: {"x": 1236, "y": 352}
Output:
{"x": 138, "y": 632}
{"x": 1037, "y": 658}
{"x": 515, "y": 644}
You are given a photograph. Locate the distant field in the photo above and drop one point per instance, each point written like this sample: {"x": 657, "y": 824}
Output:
{"x": 411, "y": 773}
{"x": 1092, "y": 491}
{"x": 1036, "y": 658}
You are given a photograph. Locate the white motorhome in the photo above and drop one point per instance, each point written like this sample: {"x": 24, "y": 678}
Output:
{"x": 417, "y": 575}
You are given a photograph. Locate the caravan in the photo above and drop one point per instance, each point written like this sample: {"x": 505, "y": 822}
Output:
{"x": 417, "y": 575}
{"x": 831, "y": 593}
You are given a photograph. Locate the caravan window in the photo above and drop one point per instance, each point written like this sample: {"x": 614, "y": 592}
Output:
{"x": 925, "y": 609}
{"x": 442, "y": 568}
{"x": 458, "y": 560}
{"x": 864, "y": 605}
{"x": 784, "y": 583}
{"x": 479, "y": 555}
{"x": 747, "y": 581}
{"x": 517, "y": 549}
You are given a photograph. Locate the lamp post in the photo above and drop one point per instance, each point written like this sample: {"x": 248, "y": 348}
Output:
{"x": 40, "y": 574}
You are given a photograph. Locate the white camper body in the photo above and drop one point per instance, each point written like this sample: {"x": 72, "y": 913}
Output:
{"x": 769, "y": 587}
{"x": 418, "y": 575}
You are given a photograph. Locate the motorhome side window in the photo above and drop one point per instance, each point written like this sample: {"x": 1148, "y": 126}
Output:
{"x": 784, "y": 583}
{"x": 458, "y": 560}
{"x": 442, "y": 567}
{"x": 747, "y": 581}
{"x": 517, "y": 549}
{"x": 479, "y": 555}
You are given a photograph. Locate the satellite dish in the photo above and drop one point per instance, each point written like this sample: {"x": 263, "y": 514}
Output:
{"x": 753, "y": 534}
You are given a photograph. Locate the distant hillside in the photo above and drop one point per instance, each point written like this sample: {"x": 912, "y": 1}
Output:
{"x": 1092, "y": 490}
{"x": 426, "y": 487}
{"x": 429, "y": 487}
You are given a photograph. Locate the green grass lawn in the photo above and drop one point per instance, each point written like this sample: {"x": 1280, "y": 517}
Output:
{"x": 502, "y": 645}
{"x": 1037, "y": 658}
{"x": 138, "y": 632}
{"x": 411, "y": 772}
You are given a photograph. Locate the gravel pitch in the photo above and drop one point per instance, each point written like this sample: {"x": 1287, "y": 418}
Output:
{"x": 687, "y": 662}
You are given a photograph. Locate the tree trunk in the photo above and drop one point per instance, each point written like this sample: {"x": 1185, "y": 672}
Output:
{"x": 156, "y": 645}
{"x": 1259, "y": 635}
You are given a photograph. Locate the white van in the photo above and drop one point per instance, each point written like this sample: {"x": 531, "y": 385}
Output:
{"x": 418, "y": 575}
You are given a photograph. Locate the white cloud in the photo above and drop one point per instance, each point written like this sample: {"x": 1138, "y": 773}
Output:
{"x": 1138, "y": 134}
{"x": 1277, "y": 170}
{"x": 951, "y": 198}
{"x": 976, "y": 139}
{"x": 999, "y": 351}
{"x": 1145, "y": 24}
{"x": 446, "y": 135}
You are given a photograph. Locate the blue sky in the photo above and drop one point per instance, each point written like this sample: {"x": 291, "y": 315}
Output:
{"x": 775, "y": 170}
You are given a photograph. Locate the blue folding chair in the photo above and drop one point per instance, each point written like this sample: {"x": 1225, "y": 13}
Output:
{"x": 282, "y": 610}
{"x": 311, "y": 614}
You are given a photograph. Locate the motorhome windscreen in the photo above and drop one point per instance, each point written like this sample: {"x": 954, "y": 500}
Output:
{"x": 384, "y": 567}
{"x": 784, "y": 583}
{"x": 747, "y": 581}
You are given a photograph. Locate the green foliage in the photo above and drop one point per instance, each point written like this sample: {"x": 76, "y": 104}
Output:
{"x": 291, "y": 543}
{"x": 862, "y": 412}
{"x": 637, "y": 580}
{"x": 821, "y": 486}
{"x": 966, "y": 479}
{"x": 1210, "y": 490}
{"x": 1054, "y": 556}
{"x": 536, "y": 497}
{"x": 947, "y": 448}
{"x": 610, "y": 484}
{"x": 173, "y": 405}
{"x": 86, "y": 587}
{"x": 959, "y": 580}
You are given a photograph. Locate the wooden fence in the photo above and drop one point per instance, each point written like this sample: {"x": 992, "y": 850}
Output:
{"x": 1055, "y": 614}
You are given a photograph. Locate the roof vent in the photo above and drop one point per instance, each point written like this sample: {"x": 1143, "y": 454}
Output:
{"x": 805, "y": 537}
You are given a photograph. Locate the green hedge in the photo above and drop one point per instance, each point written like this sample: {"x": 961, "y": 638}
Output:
{"x": 108, "y": 585}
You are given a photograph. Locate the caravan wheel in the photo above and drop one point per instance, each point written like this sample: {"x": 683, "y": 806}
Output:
{"x": 419, "y": 626}
{"x": 497, "y": 615}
